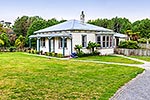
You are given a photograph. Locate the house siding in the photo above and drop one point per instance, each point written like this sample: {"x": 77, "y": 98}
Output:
{"x": 76, "y": 40}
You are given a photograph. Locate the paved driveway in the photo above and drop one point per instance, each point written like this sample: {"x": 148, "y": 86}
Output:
{"x": 138, "y": 88}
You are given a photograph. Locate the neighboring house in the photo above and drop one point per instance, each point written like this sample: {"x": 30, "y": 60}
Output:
{"x": 118, "y": 38}
{"x": 63, "y": 37}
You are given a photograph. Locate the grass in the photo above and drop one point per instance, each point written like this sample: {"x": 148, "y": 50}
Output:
{"x": 24, "y": 77}
{"x": 146, "y": 58}
{"x": 110, "y": 58}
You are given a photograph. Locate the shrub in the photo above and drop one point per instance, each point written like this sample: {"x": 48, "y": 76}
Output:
{"x": 32, "y": 51}
{"x": 37, "y": 52}
{"x": 129, "y": 44}
{"x": 47, "y": 53}
{"x": 142, "y": 40}
{"x": 53, "y": 54}
{"x": 41, "y": 52}
{"x": 29, "y": 51}
{"x": 60, "y": 55}
{"x": 11, "y": 49}
{"x": 92, "y": 45}
{"x": 78, "y": 48}
{"x": 81, "y": 54}
{"x": 50, "y": 53}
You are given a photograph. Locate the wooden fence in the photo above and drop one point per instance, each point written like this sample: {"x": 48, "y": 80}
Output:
{"x": 144, "y": 45}
{"x": 135, "y": 52}
{"x": 7, "y": 49}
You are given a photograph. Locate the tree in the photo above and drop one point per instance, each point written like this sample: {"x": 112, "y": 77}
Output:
{"x": 5, "y": 39}
{"x": 52, "y": 22}
{"x": 142, "y": 26}
{"x": 20, "y": 42}
{"x": 22, "y": 24}
{"x": 132, "y": 35}
{"x": 100, "y": 22}
{"x": 92, "y": 45}
{"x": 120, "y": 25}
{"x": 35, "y": 26}
{"x": 2, "y": 29}
{"x": 1, "y": 42}
{"x": 40, "y": 24}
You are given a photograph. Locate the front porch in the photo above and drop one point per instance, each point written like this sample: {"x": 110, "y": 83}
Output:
{"x": 58, "y": 43}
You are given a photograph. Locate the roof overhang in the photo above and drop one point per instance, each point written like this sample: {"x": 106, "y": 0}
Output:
{"x": 50, "y": 35}
{"x": 119, "y": 35}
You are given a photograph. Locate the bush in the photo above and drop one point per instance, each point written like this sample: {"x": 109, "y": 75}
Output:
{"x": 37, "y": 52}
{"x": 81, "y": 54}
{"x": 41, "y": 52}
{"x": 29, "y": 51}
{"x": 142, "y": 40}
{"x": 32, "y": 51}
{"x": 129, "y": 44}
{"x": 11, "y": 49}
{"x": 59, "y": 55}
{"x": 53, "y": 54}
{"x": 47, "y": 53}
{"x": 50, "y": 53}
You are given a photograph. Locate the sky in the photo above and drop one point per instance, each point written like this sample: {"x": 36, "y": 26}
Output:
{"x": 134, "y": 10}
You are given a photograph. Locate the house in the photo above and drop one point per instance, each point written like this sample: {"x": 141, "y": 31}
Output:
{"x": 63, "y": 37}
{"x": 118, "y": 38}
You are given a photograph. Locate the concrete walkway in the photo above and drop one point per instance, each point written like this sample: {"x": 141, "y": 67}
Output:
{"x": 138, "y": 88}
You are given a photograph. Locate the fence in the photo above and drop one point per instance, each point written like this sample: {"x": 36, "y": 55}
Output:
{"x": 136, "y": 52}
{"x": 144, "y": 45}
{"x": 7, "y": 49}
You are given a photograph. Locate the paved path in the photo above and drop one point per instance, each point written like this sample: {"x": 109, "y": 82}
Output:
{"x": 138, "y": 88}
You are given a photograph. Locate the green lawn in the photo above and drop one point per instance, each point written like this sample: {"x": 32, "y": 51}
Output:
{"x": 25, "y": 77}
{"x": 110, "y": 58}
{"x": 146, "y": 58}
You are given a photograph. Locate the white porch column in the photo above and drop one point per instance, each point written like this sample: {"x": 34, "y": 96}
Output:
{"x": 71, "y": 45}
{"x": 29, "y": 42}
{"x": 101, "y": 41}
{"x": 49, "y": 39}
{"x": 63, "y": 45}
{"x": 38, "y": 44}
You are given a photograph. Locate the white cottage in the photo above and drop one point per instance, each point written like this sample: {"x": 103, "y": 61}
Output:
{"x": 63, "y": 37}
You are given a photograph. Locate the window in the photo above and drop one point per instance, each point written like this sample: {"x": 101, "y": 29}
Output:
{"x": 104, "y": 41}
{"x": 111, "y": 40}
{"x": 43, "y": 41}
{"x": 107, "y": 41}
{"x": 61, "y": 42}
{"x": 98, "y": 39}
{"x": 84, "y": 40}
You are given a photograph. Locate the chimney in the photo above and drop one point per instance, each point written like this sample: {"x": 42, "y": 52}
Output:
{"x": 82, "y": 17}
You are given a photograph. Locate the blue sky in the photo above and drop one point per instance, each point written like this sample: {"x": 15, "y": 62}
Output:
{"x": 71, "y": 9}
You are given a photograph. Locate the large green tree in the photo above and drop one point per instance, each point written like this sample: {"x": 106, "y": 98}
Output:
{"x": 35, "y": 26}
{"x": 143, "y": 27}
{"x": 101, "y": 22}
{"x": 40, "y": 24}
{"x": 22, "y": 24}
{"x": 120, "y": 25}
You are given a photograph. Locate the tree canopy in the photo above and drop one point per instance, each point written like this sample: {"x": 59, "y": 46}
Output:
{"x": 26, "y": 26}
{"x": 143, "y": 27}
{"x": 22, "y": 24}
